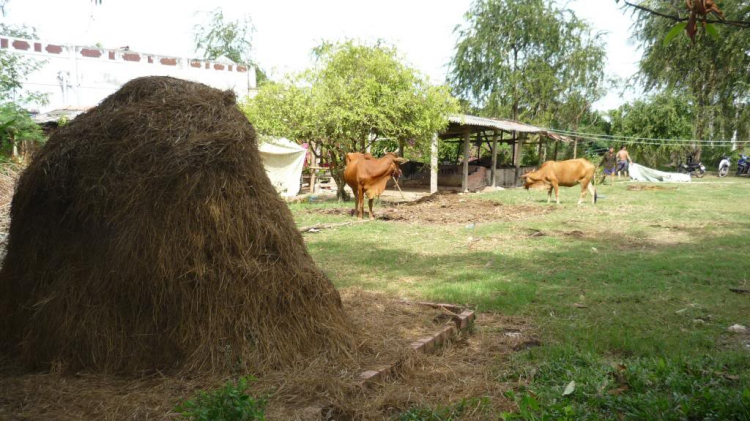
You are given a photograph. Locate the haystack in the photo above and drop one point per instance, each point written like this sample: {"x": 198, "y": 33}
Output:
{"x": 145, "y": 235}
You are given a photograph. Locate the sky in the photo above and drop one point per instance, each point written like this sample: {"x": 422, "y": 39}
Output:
{"x": 287, "y": 30}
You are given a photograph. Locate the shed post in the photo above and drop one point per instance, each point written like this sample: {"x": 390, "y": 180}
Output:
{"x": 434, "y": 164}
{"x": 465, "y": 178}
{"x": 517, "y": 156}
{"x": 575, "y": 147}
{"x": 555, "y": 156}
{"x": 493, "y": 171}
{"x": 314, "y": 166}
{"x": 539, "y": 151}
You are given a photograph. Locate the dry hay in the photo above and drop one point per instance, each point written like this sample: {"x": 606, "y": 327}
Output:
{"x": 8, "y": 178}
{"x": 145, "y": 236}
{"x": 449, "y": 208}
{"x": 466, "y": 368}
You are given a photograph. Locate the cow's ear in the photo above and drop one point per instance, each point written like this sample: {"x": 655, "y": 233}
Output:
{"x": 524, "y": 175}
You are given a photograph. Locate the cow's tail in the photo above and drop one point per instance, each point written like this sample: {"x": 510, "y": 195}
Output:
{"x": 593, "y": 183}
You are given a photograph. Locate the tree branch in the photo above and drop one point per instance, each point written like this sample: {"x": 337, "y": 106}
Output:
{"x": 739, "y": 23}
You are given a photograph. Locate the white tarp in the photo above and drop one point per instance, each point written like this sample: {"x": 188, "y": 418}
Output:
{"x": 641, "y": 173}
{"x": 284, "y": 161}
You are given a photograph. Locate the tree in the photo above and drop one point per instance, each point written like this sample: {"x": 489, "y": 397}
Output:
{"x": 231, "y": 39}
{"x": 528, "y": 60}
{"x": 355, "y": 96}
{"x": 713, "y": 72}
{"x": 667, "y": 115}
{"x": 16, "y": 126}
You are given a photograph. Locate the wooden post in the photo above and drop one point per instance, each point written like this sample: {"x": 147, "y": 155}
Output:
{"x": 539, "y": 151}
{"x": 555, "y": 156}
{"x": 493, "y": 171}
{"x": 401, "y": 148}
{"x": 434, "y": 164}
{"x": 575, "y": 147}
{"x": 517, "y": 156}
{"x": 313, "y": 170}
{"x": 465, "y": 178}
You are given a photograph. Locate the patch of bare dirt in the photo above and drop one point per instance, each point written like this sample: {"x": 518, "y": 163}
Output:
{"x": 446, "y": 209}
{"x": 464, "y": 368}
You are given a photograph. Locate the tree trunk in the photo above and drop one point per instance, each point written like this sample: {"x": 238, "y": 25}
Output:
{"x": 337, "y": 172}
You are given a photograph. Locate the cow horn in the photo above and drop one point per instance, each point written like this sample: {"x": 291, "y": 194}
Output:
{"x": 524, "y": 175}
{"x": 400, "y": 160}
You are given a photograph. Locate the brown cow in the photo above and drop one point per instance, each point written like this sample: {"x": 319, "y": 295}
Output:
{"x": 368, "y": 176}
{"x": 564, "y": 173}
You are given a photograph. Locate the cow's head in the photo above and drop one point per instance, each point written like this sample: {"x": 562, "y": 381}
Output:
{"x": 533, "y": 180}
{"x": 396, "y": 161}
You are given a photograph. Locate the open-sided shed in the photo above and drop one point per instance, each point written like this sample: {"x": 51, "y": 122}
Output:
{"x": 462, "y": 127}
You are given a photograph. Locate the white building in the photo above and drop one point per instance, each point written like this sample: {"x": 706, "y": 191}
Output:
{"x": 78, "y": 76}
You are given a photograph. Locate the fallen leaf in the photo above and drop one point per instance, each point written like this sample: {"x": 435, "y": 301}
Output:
{"x": 570, "y": 388}
{"x": 576, "y": 305}
{"x": 680, "y": 311}
{"x": 620, "y": 390}
{"x": 594, "y": 249}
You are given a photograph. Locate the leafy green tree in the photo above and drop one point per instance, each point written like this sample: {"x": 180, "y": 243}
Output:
{"x": 714, "y": 71}
{"x": 16, "y": 127}
{"x": 667, "y": 115}
{"x": 528, "y": 60}
{"x": 229, "y": 38}
{"x": 356, "y": 96}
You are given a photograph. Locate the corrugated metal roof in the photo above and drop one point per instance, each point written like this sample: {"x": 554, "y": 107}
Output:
{"x": 506, "y": 125}
{"x": 55, "y": 115}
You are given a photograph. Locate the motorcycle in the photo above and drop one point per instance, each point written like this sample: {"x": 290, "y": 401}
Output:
{"x": 724, "y": 167}
{"x": 743, "y": 165}
{"x": 694, "y": 169}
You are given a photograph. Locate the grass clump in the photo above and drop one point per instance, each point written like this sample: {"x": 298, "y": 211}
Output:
{"x": 456, "y": 411}
{"x": 230, "y": 403}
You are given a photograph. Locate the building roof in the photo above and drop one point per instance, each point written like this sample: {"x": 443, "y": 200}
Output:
{"x": 55, "y": 115}
{"x": 480, "y": 124}
{"x": 494, "y": 123}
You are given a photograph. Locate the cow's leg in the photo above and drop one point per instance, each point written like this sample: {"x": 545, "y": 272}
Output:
{"x": 584, "y": 186}
{"x": 372, "y": 215}
{"x": 592, "y": 190}
{"x": 360, "y": 202}
{"x": 549, "y": 194}
{"x": 557, "y": 192}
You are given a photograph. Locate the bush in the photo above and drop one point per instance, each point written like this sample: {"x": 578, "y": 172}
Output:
{"x": 230, "y": 403}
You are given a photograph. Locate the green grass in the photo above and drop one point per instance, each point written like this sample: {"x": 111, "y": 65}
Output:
{"x": 652, "y": 269}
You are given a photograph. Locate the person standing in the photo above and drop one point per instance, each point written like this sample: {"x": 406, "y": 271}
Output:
{"x": 623, "y": 161}
{"x": 609, "y": 161}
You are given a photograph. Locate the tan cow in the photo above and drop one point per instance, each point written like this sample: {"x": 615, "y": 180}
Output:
{"x": 368, "y": 176}
{"x": 564, "y": 173}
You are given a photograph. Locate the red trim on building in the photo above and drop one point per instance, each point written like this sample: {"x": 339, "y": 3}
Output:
{"x": 131, "y": 57}
{"x": 218, "y": 67}
{"x": 150, "y": 59}
{"x": 241, "y": 69}
{"x": 38, "y": 47}
{"x": 196, "y": 64}
{"x": 53, "y": 49}
{"x": 21, "y": 45}
{"x": 168, "y": 61}
{"x": 3, "y": 43}
{"x": 89, "y": 52}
